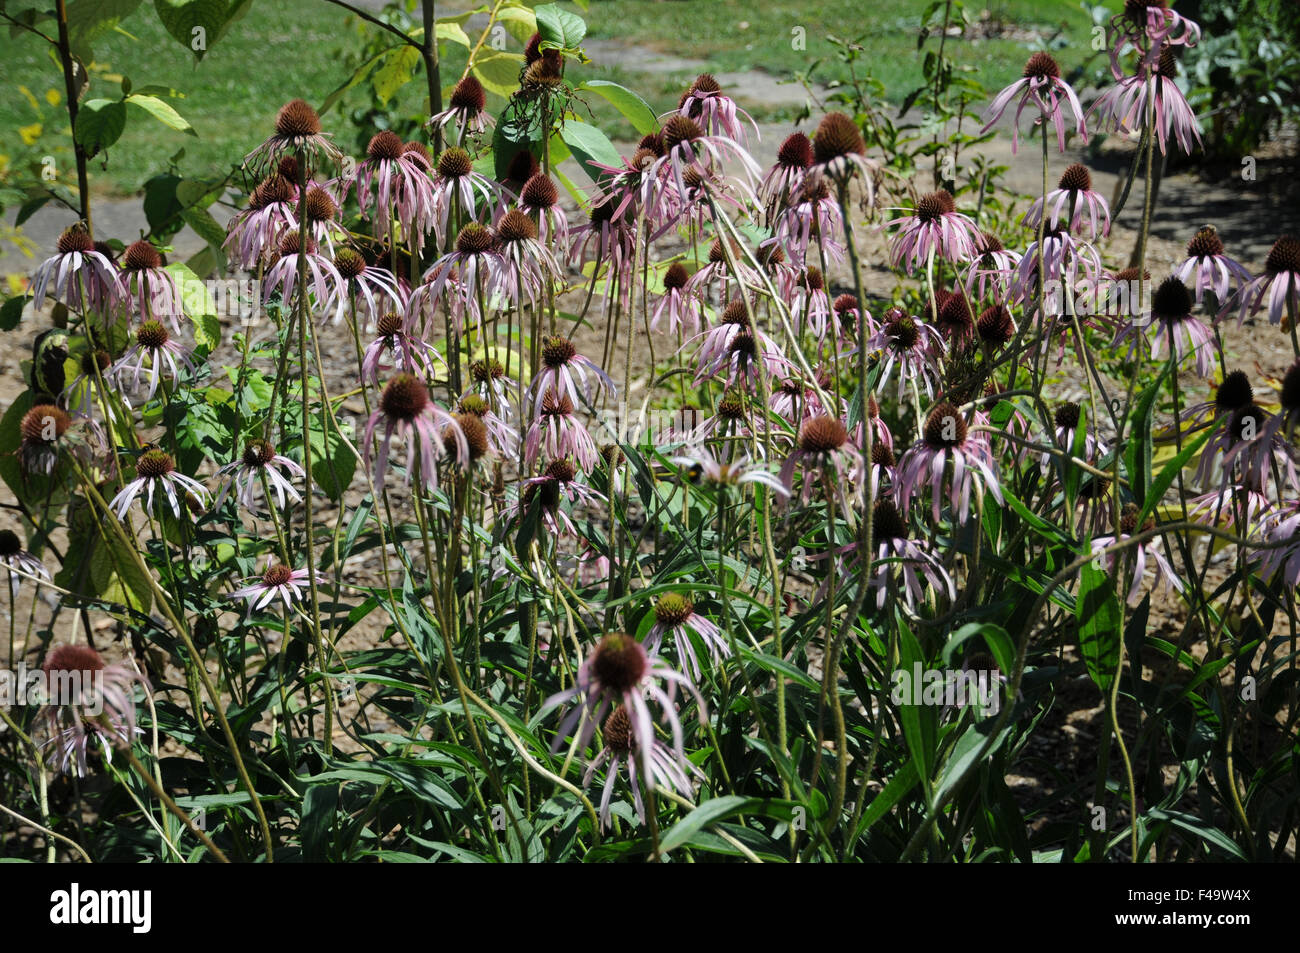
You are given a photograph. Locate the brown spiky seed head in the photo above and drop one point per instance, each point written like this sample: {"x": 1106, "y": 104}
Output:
{"x": 618, "y": 731}
{"x": 297, "y": 120}
{"x": 676, "y": 277}
{"x": 469, "y": 96}
{"x": 154, "y": 464}
{"x": 886, "y": 521}
{"x": 258, "y": 452}
{"x": 476, "y": 435}
{"x": 822, "y": 434}
{"x": 404, "y": 398}
{"x": 557, "y": 351}
{"x": 945, "y": 427}
{"x": 141, "y": 256}
{"x": 386, "y": 145}
{"x": 1076, "y": 178}
{"x": 619, "y": 663}
{"x": 515, "y": 226}
{"x": 796, "y": 152}
{"x": 320, "y": 205}
{"x": 1171, "y": 300}
{"x": 995, "y": 325}
{"x": 672, "y": 609}
{"x": 10, "y": 544}
{"x": 1234, "y": 393}
{"x": 679, "y": 129}
{"x": 454, "y": 163}
{"x": 1042, "y": 66}
{"x": 74, "y": 239}
{"x": 390, "y": 323}
{"x": 350, "y": 263}
{"x": 277, "y": 575}
{"x": 539, "y": 192}
{"x": 1284, "y": 256}
{"x": 837, "y": 135}
{"x": 37, "y": 422}
{"x": 474, "y": 239}
{"x": 151, "y": 334}
{"x": 1206, "y": 243}
{"x": 72, "y": 658}
{"x": 1067, "y": 415}
{"x": 735, "y": 313}
{"x": 933, "y": 205}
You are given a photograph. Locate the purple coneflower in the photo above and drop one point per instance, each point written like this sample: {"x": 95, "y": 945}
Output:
{"x": 678, "y": 306}
{"x": 785, "y": 178}
{"x": 558, "y": 482}
{"x": 41, "y": 429}
{"x": 363, "y": 289}
{"x": 707, "y": 104}
{"x": 278, "y": 581}
{"x": 254, "y": 233}
{"x": 1214, "y": 270}
{"x": 1042, "y": 86}
{"x": 991, "y": 266}
{"x": 146, "y": 288}
{"x": 156, "y": 469}
{"x": 936, "y": 229}
{"x": 1150, "y": 548}
{"x": 1066, "y": 420}
{"x": 908, "y": 344}
{"x": 467, "y": 108}
{"x": 1065, "y": 261}
{"x": 492, "y": 384}
{"x": 812, "y": 214}
{"x": 840, "y": 153}
{"x": 297, "y": 132}
{"x": 395, "y": 182}
{"x": 823, "y": 448}
{"x": 458, "y": 186}
{"x": 1174, "y": 329}
{"x": 323, "y": 279}
{"x": 619, "y": 671}
{"x": 895, "y": 550}
{"x": 621, "y": 746}
{"x": 465, "y": 273}
{"x": 406, "y": 409}
{"x": 947, "y": 439}
{"x": 82, "y": 276}
{"x": 1148, "y": 28}
{"x": 687, "y": 145}
{"x": 1126, "y": 105}
{"x": 502, "y": 438}
{"x": 411, "y": 353}
{"x": 16, "y": 559}
{"x": 1278, "y": 286}
{"x": 1073, "y": 201}
{"x": 89, "y": 702}
{"x": 244, "y": 476}
{"x": 528, "y": 266}
{"x": 556, "y": 432}
{"x": 1282, "y": 529}
{"x": 700, "y": 463}
{"x": 541, "y": 200}
{"x": 155, "y": 348}
{"x": 563, "y": 367}
{"x": 675, "y": 615}
{"x": 995, "y": 326}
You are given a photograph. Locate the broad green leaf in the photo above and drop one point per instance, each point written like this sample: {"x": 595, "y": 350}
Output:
{"x": 395, "y": 72}
{"x": 560, "y": 28}
{"x": 195, "y": 24}
{"x": 498, "y": 71}
{"x": 589, "y": 145}
{"x": 99, "y": 124}
{"x": 452, "y": 31}
{"x": 161, "y": 111}
{"x": 1098, "y": 613}
{"x": 634, "y": 109}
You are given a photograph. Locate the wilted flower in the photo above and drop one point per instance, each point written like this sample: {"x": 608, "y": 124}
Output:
{"x": 323, "y": 281}
{"x": 253, "y": 234}
{"x": 707, "y": 104}
{"x": 823, "y": 447}
{"x": 467, "y": 108}
{"x": 908, "y": 344}
{"x": 146, "y": 287}
{"x": 457, "y": 186}
{"x": 411, "y": 353}
{"x": 1173, "y": 329}
{"x": 406, "y": 410}
{"x": 562, "y": 370}
{"x": 1214, "y": 270}
{"x": 1127, "y": 104}
{"x": 153, "y": 351}
{"x": 678, "y": 306}
{"x": 41, "y": 428}
{"x": 1042, "y": 86}
{"x": 89, "y": 702}
{"x": 947, "y": 439}
{"x": 364, "y": 290}
{"x": 785, "y": 178}
{"x": 82, "y": 277}
{"x": 1128, "y": 526}
{"x": 895, "y": 551}
{"x": 619, "y": 671}
{"x": 557, "y": 432}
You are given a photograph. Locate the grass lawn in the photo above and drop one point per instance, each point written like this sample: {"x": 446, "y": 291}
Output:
{"x": 290, "y": 48}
